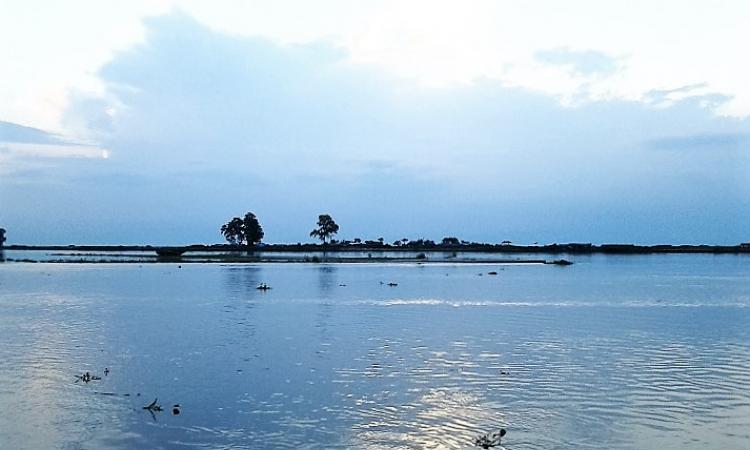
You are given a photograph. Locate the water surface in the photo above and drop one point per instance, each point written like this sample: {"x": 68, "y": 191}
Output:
{"x": 620, "y": 352}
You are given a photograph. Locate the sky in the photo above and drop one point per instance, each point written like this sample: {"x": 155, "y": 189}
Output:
{"x": 154, "y": 122}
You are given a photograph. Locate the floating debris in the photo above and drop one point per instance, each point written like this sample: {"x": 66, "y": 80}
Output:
{"x": 492, "y": 273}
{"x": 153, "y": 406}
{"x": 490, "y": 440}
{"x": 392, "y": 284}
{"x": 86, "y": 377}
{"x": 176, "y": 409}
{"x": 263, "y": 287}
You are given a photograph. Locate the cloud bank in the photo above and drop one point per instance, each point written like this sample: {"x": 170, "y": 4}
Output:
{"x": 201, "y": 126}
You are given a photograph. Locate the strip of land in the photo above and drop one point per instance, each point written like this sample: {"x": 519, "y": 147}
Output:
{"x": 571, "y": 248}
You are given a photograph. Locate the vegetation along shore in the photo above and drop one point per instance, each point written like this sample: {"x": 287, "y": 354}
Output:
{"x": 244, "y": 237}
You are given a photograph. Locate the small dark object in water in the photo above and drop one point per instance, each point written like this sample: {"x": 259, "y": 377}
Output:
{"x": 342, "y": 285}
{"x": 492, "y": 273}
{"x": 153, "y": 406}
{"x": 263, "y": 287}
{"x": 561, "y": 262}
{"x": 176, "y": 409}
{"x": 392, "y": 284}
{"x": 86, "y": 377}
{"x": 490, "y": 440}
{"x": 106, "y": 371}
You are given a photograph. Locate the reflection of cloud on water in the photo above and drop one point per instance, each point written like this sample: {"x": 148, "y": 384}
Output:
{"x": 441, "y": 418}
{"x": 37, "y": 382}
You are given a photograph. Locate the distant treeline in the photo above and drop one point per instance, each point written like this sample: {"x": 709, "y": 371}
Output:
{"x": 246, "y": 234}
{"x": 420, "y": 245}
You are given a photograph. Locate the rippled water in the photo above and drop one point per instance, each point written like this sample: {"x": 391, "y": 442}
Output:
{"x": 627, "y": 352}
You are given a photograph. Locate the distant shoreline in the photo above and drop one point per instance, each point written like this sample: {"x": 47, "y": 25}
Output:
{"x": 334, "y": 260}
{"x": 570, "y": 248}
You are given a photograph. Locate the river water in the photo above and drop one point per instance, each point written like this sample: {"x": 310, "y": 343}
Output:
{"x": 617, "y": 352}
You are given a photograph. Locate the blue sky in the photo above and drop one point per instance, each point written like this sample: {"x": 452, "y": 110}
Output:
{"x": 400, "y": 121}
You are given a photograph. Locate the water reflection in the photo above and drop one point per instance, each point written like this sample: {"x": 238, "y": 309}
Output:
{"x": 242, "y": 279}
{"x": 327, "y": 279}
{"x": 562, "y": 359}
{"x": 439, "y": 418}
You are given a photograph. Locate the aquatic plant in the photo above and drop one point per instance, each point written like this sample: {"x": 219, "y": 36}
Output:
{"x": 490, "y": 440}
{"x": 87, "y": 377}
{"x": 153, "y": 406}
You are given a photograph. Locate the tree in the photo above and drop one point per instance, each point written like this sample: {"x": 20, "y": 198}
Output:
{"x": 450, "y": 241}
{"x": 253, "y": 230}
{"x": 326, "y": 228}
{"x": 233, "y": 231}
{"x": 2, "y": 236}
{"x": 247, "y": 230}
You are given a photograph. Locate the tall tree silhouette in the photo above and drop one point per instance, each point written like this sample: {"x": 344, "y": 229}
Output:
{"x": 327, "y": 227}
{"x": 233, "y": 231}
{"x": 246, "y": 230}
{"x": 253, "y": 230}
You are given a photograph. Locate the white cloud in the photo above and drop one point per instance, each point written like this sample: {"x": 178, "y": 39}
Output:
{"x": 59, "y": 46}
{"x": 15, "y": 150}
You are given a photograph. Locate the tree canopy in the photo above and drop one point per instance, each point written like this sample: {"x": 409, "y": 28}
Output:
{"x": 327, "y": 227}
{"x": 243, "y": 230}
{"x": 253, "y": 230}
{"x": 451, "y": 241}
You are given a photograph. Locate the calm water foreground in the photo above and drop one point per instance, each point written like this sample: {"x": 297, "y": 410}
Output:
{"x": 628, "y": 352}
